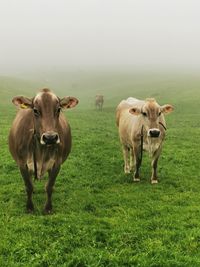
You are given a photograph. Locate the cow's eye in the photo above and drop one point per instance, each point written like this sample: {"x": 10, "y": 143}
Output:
{"x": 144, "y": 114}
{"x": 159, "y": 113}
{"x": 36, "y": 112}
{"x": 58, "y": 110}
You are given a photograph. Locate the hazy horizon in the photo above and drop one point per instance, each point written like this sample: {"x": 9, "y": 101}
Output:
{"x": 93, "y": 33}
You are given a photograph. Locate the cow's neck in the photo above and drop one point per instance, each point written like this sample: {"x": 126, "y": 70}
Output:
{"x": 42, "y": 154}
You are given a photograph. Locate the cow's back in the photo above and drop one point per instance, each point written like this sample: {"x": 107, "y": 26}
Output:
{"x": 21, "y": 134}
{"x": 122, "y": 111}
{"x": 128, "y": 124}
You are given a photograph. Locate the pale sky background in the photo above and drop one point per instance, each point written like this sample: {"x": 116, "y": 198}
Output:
{"x": 40, "y": 33}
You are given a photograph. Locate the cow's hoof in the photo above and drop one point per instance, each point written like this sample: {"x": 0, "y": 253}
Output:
{"x": 154, "y": 181}
{"x": 48, "y": 212}
{"x": 136, "y": 179}
{"x": 30, "y": 211}
{"x": 30, "y": 208}
{"x": 48, "y": 209}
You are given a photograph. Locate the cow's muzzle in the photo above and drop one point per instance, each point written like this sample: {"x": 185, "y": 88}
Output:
{"x": 154, "y": 133}
{"x": 50, "y": 138}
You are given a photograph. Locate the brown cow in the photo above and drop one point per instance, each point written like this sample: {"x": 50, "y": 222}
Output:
{"x": 141, "y": 126}
{"x": 40, "y": 139}
{"x": 99, "y": 99}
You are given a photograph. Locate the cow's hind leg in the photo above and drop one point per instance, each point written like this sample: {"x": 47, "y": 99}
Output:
{"x": 29, "y": 187}
{"x": 138, "y": 161}
{"x": 126, "y": 158}
{"x": 49, "y": 187}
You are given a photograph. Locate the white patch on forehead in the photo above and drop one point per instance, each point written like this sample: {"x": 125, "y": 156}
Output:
{"x": 39, "y": 95}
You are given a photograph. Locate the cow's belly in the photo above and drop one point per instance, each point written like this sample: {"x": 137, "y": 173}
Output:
{"x": 42, "y": 166}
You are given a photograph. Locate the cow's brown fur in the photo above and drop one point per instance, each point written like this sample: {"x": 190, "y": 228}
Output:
{"x": 135, "y": 118}
{"x": 37, "y": 121}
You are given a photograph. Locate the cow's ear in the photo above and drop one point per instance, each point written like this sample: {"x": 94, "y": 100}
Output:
{"x": 22, "y": 102}
{"x": 167, "y": 108}
{"x": 68, "y": 102}
{"x": 135, "y": 111}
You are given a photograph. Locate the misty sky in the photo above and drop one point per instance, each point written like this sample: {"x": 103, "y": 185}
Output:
{"x": 41, "y": 33}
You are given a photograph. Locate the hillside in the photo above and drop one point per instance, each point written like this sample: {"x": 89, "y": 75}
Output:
{"x": 101, "y": 218}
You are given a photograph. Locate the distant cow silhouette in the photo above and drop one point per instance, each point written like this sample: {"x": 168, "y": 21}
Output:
{"x": 99, "y": 99}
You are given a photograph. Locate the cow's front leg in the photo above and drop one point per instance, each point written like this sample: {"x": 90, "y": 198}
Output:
{"x": 138, "y": 161}
{"x": 154, "y": 163}
{"x": 126, "y": 159}
{"x": 49, "y": 187}
{"x": 29, "y": 187}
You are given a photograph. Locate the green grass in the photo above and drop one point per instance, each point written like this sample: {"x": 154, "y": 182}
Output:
{"x": 102, "y": 218}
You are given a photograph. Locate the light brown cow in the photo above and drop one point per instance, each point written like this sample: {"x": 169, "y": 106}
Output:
{"x": 99, "y": 99}
{"x": 141, "y": 126}
{"x": 40, "y": 139}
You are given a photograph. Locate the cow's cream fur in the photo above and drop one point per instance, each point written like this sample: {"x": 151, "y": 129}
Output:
{"x": 130, "y": 127}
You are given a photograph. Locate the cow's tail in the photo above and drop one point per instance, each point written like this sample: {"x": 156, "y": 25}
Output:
{"x": 117, "y": 116}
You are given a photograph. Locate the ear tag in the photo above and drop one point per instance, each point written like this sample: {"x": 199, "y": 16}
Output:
{"x": 23, "y": 106}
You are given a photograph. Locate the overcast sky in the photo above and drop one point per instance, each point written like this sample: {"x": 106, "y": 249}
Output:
{"x": 43, "y": 33}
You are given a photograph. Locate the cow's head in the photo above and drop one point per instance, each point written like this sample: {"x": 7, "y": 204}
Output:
{"x": 46, "y": 108}
{"x": 151, "y": 113}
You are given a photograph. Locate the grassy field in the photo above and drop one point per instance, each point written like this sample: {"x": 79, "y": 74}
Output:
{"x": 102, "y": 218}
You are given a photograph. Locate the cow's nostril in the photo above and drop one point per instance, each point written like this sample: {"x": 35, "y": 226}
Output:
{"x": 154, "y": 133}
{"x": 50, "y": 138}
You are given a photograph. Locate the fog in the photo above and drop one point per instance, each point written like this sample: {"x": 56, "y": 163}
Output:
{"x": 72, "y": 33}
